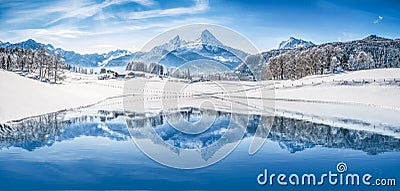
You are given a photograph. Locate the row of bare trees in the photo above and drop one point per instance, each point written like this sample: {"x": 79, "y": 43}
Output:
{"x": 182, "y": 73}
{"x": 148, "y": 68}
{"x": 43, "y": 66}
{"x": 298, "y": 63}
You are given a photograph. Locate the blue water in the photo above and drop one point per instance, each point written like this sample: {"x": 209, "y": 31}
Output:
{"x": 95, "y": 151}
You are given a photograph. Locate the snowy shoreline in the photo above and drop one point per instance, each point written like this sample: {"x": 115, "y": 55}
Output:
{"x": 23, "y": 97}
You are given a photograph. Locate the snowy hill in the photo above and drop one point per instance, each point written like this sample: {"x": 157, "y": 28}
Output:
{"x": 27, "y": 97}
{"x": 112, "y": 58}
{"x": 293, "y": 43}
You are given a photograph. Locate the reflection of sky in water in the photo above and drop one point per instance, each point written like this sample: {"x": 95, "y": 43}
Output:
{"x": 95, "y": 152}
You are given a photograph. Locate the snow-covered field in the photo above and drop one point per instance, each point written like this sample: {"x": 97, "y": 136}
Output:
{"x": 23, "y": 97}
{"x": 378, "y": 88}
{"x": 363, "y": 100}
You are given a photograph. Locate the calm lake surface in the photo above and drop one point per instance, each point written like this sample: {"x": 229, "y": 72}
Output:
{"x": 93, "y": 149}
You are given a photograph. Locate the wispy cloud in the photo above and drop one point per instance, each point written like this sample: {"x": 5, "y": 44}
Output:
{"x": 82, "y": 9}
{"x": 66, "y": 9}
{"x": 347, "y": 36}
{"x": 55, "y": 34}
{"x": 85, "y": 11}
{"x": 380, "y": 18}
{"x": 200, "y": 6}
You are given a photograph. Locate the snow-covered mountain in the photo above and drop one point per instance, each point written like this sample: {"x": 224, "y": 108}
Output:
{"x": 293, "y": 43}
{"x": 171, "y": 54}
{"x": 207, "y": 38}
{"x": 206, "y": 47}
{"x": 112, "y": 58}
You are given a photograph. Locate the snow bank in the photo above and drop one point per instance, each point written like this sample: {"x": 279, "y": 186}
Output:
{"x": 379, "y": 88}
{"x": 22, "y": 97}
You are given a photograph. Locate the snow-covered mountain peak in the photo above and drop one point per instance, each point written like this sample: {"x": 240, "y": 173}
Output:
{"x": 292, "y": 43}
{"x": 176, "y": 40}
{"x": 208, "y": 39}
{"x": 30, "y": 41}
{"x": 113, "y": 55}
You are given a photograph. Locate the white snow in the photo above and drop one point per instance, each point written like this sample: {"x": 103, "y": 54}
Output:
{"x": 326, "y": 99}
{"x": 112, "y": 57}
{"x": 380, "y": 91}
{"x": 293, "y": 43}
{"x": 23, "y": 97}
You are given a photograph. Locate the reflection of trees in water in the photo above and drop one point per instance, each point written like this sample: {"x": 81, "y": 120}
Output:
{"x": 291, "y": 134}
{"x": 296, "y": 135}
{"x": 44, "y": 130}
{"x": 33, "y": 132}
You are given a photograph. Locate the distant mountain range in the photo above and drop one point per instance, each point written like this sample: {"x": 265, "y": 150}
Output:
{"x": 293, "y": 43}
{"x": 171, "y": 54}
{"x": 112, "y": 58}
{"x": 177, "y": 51}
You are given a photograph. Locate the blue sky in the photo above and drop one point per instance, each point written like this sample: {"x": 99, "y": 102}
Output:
{"x": 88, "y": 26}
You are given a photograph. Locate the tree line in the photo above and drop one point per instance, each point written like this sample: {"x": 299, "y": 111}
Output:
{"x": 372, "y": 52}
{"x": 153, "y": 68}
{"x": 43, "y": 66}
{"x": 181, "y": 73}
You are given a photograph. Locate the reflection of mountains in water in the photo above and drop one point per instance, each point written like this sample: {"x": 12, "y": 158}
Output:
{"x": 291, "y": 134}
{"x": 156, "y": 128}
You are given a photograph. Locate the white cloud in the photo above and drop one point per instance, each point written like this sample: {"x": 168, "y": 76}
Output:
{"x": 92, "y": 9}
{"x": 380, "y": 18}
{"x": 52, "y": 34}
{"x": 66, "y": 9}
{"x": 347, "y": 36}
{"x": 200, "y": 6}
